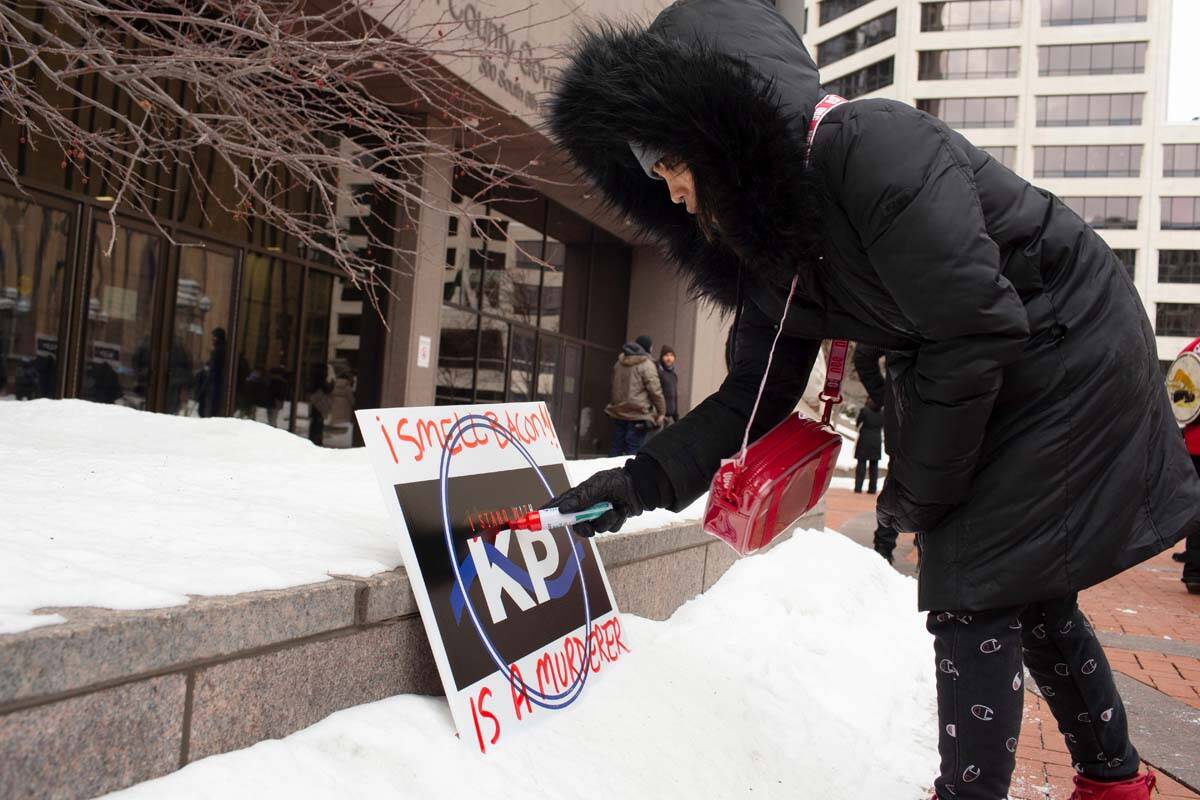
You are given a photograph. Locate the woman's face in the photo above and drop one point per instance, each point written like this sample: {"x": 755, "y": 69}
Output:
{"x": 680, "y": 184}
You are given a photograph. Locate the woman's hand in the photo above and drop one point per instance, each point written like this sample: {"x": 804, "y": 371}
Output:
{"x": 612, "y": 485}
{"x": 896, "y": 509}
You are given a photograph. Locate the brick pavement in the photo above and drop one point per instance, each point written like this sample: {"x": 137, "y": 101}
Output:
{"x": 1148, "y": 601}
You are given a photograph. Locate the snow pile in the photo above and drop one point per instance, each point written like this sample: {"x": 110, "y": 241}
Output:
{"x": 105, "y": 506}
{"x": 804, "y": 673}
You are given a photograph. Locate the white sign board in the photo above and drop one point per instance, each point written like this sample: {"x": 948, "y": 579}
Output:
{"x": 519, "y": 623}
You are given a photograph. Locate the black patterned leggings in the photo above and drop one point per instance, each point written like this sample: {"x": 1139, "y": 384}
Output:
{"x": 980, "y": 695}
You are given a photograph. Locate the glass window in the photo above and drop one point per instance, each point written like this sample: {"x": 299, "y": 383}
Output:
{"x": 266, "y": 368}
{"x": 458, "y": 345}
{"x": 1179, "y": 266}
{"x": 959, "y": 15}
{"x": 520, "y": 379}
{"x": 1106, "y": 58}
{"x": 1106, "y": 212}
{"x": 568, "y": 397}
{"x": 1005, "y": 154}
{"x": 1128, "y": 258}
{"x": 328, "y": 363}
{"x": 1177, "y": 319}
{"x": 1093, "y": 12}
{"x": 1181, "y": 213}
{"x": 1088, "y": 161}
{"x": 861, "y": 81}
{"x": 608, "y": 300}
{"x": 118, "y": 352}
{"x": 492, "y": 371}
{"x": 35, "y": 247}
{"x": 1077, "y": 110}
{"x": 569, "y": 255}
{"x": 595, "y": 431}
{"x": 198, "y": 360}
{"x": 832, "y": 9}
{"x": 977, "y": 62}
{"x": 1181, "y": 160}
{"x": 548, "y": 378}
{"x": 972, "y": 112}
{"x": 856, "y": 39}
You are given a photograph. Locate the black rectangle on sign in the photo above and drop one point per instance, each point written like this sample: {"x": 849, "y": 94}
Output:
{"x": 520, "y": 632}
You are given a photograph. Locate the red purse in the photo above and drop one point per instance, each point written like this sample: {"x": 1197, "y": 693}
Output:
{"x": 768, "y": 485}
{"x": 761, "y": 492}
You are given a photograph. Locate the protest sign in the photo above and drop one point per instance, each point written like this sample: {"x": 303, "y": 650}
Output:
{"x": 519, "y": 623}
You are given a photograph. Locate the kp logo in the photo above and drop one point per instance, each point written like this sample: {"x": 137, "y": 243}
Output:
{"x": 498, "y": 575}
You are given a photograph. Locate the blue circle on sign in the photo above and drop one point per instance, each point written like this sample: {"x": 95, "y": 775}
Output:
{"x": 548, "y": 701}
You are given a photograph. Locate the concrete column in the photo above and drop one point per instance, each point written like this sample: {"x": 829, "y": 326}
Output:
{"x": 415, "y": 309}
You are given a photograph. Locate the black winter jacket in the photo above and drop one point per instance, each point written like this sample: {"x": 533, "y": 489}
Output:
{"x": 1031, "y": 438}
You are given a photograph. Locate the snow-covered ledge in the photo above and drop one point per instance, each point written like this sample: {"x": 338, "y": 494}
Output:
{"x": 94, "y": 699}
{"x": 111, "y": 698}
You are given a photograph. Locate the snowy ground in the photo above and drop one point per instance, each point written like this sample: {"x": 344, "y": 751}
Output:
{"x": 105, "y": 506}
{"x": 803, "y": 673}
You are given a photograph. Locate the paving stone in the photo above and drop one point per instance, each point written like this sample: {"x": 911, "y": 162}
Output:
{"x": 266, "y": 696}
{"x": 1155, "y": 644}
{"x": 656, "y": 587}
{"x": 1164, "y": 730}
{"x": 97, "y": 645}
{"x": 93, "y": 744}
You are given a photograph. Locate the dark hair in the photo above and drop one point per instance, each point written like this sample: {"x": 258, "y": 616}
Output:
{"x": 705, "y": 218}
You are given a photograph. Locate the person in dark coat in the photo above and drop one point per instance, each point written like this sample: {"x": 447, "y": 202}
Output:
{"x": 670, "y": 383}
{"x": 874, "y": 380}
{"x": 1033, "y": 449}
{"x": 867, "y": 449}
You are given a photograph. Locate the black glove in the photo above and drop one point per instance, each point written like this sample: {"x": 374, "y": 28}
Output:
{"x": 612, "y": 485}
{"x": 898, "y": 510}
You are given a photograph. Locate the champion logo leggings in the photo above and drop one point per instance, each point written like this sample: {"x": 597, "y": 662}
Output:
{"x": 980, "y": 660}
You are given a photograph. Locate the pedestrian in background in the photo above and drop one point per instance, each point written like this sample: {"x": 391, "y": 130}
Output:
{"x": 637, "y": 398}
{"x": 874, "y": 380}
{"x": 669, "y": 381}
{"x": 867, "y": 450}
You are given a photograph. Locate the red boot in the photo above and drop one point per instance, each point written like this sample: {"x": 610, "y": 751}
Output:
{"x": 1136, "y": 788}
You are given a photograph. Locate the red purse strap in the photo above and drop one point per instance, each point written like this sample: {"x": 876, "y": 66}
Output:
{"x": 835, "y": 364}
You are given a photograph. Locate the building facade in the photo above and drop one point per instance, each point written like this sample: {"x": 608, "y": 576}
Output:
{"x": 1071, "y": 94}
{"x": 198, "y": 312}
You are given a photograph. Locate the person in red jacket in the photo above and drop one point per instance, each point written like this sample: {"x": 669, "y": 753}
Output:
{"x": 1183, "y": 384}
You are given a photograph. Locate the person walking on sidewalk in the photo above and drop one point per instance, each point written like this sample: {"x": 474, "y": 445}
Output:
{"x": 637, "y": 398}
{"x": 670, "y": 382}
{"x": 867, "y": 449}
{"x": 866, "y": 364}
{"x": 1032, "y": 446}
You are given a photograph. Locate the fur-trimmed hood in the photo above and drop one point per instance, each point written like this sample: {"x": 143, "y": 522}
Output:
{"x": 726, "y": 86}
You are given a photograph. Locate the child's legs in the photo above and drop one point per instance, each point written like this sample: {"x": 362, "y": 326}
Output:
{"x": 1066, "y": 660}
{"x": 980, "y": 700}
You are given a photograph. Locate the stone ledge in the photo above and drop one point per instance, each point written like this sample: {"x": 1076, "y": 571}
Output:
{"x": 152, "y": 690}
{"x": 95, "y": 743}
{"x": 96, "y": 646}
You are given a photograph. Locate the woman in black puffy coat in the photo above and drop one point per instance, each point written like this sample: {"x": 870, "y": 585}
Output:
{"x": 1032, "y": 447}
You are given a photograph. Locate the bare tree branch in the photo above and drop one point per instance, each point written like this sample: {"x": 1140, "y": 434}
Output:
{"x": 289, "y": 102}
